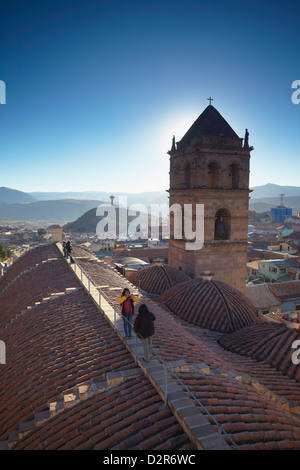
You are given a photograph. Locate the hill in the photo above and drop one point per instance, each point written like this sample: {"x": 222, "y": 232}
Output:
{"x": 273, "y": 191}
{"x": 8, "y": 196}
{"x": 61, "y": 211}
{"x": 55, "y": 206}
{"x": 265, "y": 204}
{"x": 88, "y": 222}
{"x": 158, "y": 197}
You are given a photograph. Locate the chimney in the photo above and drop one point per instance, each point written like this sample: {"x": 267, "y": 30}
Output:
{"x": 206, "y": 275}
{"x": 158, "y": 262}
{"x": 292, "y": 320}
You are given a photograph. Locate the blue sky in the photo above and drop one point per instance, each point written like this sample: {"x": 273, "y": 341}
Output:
{"x": 96, "y": 89}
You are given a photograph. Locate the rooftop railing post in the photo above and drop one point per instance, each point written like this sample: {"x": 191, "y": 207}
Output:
{"x": 166, "y": 385}
{"x": 219, "y": 437}
{"x": 135, "y": 348}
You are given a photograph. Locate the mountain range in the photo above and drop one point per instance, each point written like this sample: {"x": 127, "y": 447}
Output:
{"x": 64, "y": 207}
{"x": 10, "y": 196}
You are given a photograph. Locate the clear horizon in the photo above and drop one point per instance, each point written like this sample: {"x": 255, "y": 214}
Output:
{"x": 112, "y": 192}
{"x": 96, "y": 89}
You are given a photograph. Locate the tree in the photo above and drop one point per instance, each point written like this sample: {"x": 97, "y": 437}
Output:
{"x": 4, "y": 253}
{"x": 41, "y": 232}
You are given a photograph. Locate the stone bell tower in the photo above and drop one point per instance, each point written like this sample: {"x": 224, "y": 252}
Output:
{"x": 210, "y": 166}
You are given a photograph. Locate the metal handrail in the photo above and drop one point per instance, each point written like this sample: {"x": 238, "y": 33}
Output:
{"x": 154, "y": 353}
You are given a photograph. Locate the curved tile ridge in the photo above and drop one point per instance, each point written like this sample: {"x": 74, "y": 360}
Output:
{"x": 202, "y": 368}
{"x": 53, "y": 296}
{"x": 29, "y": 259}
{"x": 210, "y": 304}
{"x": 50, "y": 260}
{"x": 130, "y": 416}
{"x": 269, "y": 342}
{"x": 68, "y": 399}
{"x": 157, "y": 278}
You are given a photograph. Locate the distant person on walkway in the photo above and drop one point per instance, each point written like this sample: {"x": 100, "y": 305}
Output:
{"x": 68, "y": 248}
{"x": 127, "y": 301}
{"x": 64, "y": 249}
{"x": 144, "y": 327}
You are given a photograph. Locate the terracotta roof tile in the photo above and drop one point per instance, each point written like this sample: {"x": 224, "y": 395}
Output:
{"x": 49, "y": 337}
{"x": 265, "y": 342}
{"x": 210, "y": 304}
{"x": 244, "y": 394}
{"x": 261, "y": 296}
{"x": 286, "y": 290}
{"x": 156, "y": 279}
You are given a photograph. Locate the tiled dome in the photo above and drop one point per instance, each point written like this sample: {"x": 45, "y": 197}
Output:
{"x": 158, "y": 278}
{"x": 211, "y": 304}
{"x": 268, "y": 342}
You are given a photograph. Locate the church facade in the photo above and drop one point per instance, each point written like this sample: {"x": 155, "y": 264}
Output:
{"x": 210, "y": 166}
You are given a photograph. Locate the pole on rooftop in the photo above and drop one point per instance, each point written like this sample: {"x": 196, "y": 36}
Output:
{"x": 136, "y": 348}
{"x": 219, "y": 437}
{"x": 166, "y": 385}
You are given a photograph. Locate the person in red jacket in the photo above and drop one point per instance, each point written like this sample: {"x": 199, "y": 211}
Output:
{"x": 126, "y": 301}
{"x": 144, "y": 327}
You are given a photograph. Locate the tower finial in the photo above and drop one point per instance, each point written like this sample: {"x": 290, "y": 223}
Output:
{"x": 246, "y": 140}
{"x": 173, "y": 143}
{"x": 210, "y": 99}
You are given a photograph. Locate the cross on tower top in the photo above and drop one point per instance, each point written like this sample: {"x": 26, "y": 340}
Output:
{"x": 210, "y": 99}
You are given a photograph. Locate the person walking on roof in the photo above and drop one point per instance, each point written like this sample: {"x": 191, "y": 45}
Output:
{"x": 68, "y": 248}
{"x": 144, "y": 327}
{"x": 127, "y": 302}
{"x": 64, "y": 249}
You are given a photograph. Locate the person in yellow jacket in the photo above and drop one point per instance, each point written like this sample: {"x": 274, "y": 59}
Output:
{"x": 127, "y": 302}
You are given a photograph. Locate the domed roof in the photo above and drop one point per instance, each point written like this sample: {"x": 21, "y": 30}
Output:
{"x": 158, "y": 278}
{"x": 269, "y": 342}
{"x": 211, "y": 304}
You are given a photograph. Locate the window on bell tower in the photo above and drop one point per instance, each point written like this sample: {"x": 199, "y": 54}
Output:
{"x": 212, "y": 175}
{"x": 233, "y": 176}
{"x": 187, "y": 175}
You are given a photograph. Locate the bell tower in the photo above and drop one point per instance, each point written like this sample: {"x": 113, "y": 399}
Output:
{"x": 210, "y": 166}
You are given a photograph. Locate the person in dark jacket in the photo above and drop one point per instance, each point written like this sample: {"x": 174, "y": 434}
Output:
{"x": 144, "y": 327}
{"x": 68, "y": 248}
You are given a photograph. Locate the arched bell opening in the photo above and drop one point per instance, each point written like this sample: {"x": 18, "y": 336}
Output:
{"x": 222, "y": 224}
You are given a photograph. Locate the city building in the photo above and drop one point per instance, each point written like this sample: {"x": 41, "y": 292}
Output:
{"x": 278, "y": 270}
{"x": 281, "y": 213}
